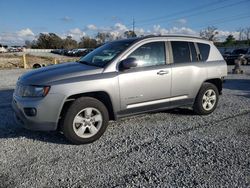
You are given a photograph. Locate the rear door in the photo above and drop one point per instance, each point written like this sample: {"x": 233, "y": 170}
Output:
{"x": 188, "y": 72}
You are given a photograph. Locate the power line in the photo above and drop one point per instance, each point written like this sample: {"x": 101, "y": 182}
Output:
{"x": 133, "y": 25}
{"x": 198, "y": 13}
{"x": 183, "y": 11}
{"x": 226, "y": 19}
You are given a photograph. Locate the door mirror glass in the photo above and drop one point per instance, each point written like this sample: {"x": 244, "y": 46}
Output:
{"x": 128, "y": 63}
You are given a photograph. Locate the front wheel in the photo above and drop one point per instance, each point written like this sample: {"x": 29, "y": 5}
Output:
{"x": 85, "y": 121}
{"x": 207, "y": 99}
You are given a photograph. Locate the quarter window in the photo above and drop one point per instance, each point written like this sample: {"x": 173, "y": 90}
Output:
{"x": 150, "y": 54}
{"x": 204, "y": 51}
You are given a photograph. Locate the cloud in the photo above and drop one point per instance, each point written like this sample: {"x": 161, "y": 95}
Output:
{"x": 67, "y": 19}
{"x": 158, "y": 30}
{"x": 91, "y": 27}
{"x": 181, "y": 21}
{"x": 17, "y": 38}
{"x": 75, "y": 33}
{"x": 25, "y": 33}
{"x": 120, "y": 27}
{"x": 182, "y": 30}
{"x": 222, "y": 35}
{"x": 140, "y": 31}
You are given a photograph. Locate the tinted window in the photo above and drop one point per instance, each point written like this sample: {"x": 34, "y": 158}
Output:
{"x": 193, "y": 52}
{"x": 180, "y": 51}
{"x": 204, "y": 51}
{"x": 150, "y": 54}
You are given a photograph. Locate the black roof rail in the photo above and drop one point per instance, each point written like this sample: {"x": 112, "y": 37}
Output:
{"x": 172, "y": 35}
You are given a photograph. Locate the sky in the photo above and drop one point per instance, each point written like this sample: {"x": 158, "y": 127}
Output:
{"x": 22, "y": 20}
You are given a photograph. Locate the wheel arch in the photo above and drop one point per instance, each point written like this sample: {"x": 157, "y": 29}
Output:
{"x": 217, "y": 82}
{"x": 99, "y": 95}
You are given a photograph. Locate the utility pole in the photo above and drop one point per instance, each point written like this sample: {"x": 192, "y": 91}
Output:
{"x": 133, "y": 25}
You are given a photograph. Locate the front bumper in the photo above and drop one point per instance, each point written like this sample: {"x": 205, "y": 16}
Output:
{"x": 48, "y": 112}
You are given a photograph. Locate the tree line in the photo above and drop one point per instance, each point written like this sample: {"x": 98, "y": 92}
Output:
{"x": 211, "y": 33}
{"x": 53, "y": 41}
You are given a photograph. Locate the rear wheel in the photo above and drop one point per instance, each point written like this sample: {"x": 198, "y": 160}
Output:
{"x": 207, "y": 99}
{"x": 85, "y": 121}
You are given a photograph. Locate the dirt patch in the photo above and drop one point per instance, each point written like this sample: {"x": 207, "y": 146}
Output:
{"x": 8, "y": 61}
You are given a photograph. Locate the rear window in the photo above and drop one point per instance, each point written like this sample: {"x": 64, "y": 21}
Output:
{"x": 204, "y": 51}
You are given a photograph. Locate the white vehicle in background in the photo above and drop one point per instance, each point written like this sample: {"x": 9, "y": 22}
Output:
{"x": 3, "y": 49}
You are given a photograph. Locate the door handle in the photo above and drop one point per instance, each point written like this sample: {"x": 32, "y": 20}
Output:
{"x": 162, "y": 72}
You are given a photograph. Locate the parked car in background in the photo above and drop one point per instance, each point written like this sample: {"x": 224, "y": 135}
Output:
{"x": 81, "y": 53}
{"x": 230, "y": 58}
{"x": 119, "y": 79}
{"x": 71, "y": 52}
{"x": 15, "y": 49}
{"x": 11, "y": 49}
{"x": 226, "y": 54}
{"x": 59, "y": 51}
{"x": 247, "y": 56}
{"x": 78, "y": 52}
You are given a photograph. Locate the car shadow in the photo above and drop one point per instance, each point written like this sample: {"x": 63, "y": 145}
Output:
{"x": 177, "y": 111}
{"x": 9, "y": 128}
{"x": 242, "y": 85}
{"x": 181, "y": 111}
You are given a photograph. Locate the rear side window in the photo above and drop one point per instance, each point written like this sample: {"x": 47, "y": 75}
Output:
{"x": 193, "y": 52}
{"x": 204, "y": 51}
{"x": 184, "y": 52}
{"x": 181, "y": 53}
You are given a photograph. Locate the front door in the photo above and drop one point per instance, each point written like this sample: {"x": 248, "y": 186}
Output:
{"x": 148, "y": 84}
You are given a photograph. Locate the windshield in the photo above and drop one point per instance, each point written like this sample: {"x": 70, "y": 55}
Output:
{"x": 105, "y": 53}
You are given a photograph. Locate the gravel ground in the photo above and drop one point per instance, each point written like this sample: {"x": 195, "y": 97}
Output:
{"x": 168, "y": 149}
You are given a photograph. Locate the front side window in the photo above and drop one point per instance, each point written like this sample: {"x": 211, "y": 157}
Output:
{"x": 150, "y": 54}
{"x": 181, "y": 52}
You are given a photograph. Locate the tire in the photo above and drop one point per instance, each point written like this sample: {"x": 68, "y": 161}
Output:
{"x": 207, "y": 99}
{"x": 36, "y": 66}
{"x": 85, "y": 121}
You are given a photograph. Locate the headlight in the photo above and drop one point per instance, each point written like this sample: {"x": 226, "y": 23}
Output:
{"x": 32, "y": 91}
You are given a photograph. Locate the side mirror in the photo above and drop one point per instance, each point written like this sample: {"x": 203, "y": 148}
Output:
{"x": 128, "y": 63}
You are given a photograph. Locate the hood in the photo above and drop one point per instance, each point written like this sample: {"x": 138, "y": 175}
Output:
{"x": 49, "y": 74}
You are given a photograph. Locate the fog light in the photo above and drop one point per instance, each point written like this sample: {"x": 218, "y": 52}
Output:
{"x": 30, "y": 111}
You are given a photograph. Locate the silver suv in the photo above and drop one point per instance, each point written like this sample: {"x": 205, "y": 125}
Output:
{"x": 120, "y": 78}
